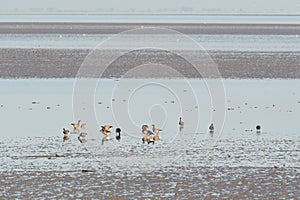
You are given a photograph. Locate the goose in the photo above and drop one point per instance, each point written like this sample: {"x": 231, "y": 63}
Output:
{"x": 83, "y": 134}
{"x": 118, "y": 133}
{"x": 211, "y": 127}
{"x": 258, "y": 128}
{"x": 148, "y": 132}
{"x": 156, "y": 130}
{"x": 145, "y": 127}
{"x": 65, "y": 131}
{"x": 82, "y": 139}
{"x": 181, "y": 123}
{"x": 106, "y": 127}
{"x": 151, "y": 141}
{"x": 146, "y": 139}
{"x": 155, "y": 138}
{"x": 83, "y": 125}
{"x": 107, "y": 133}
{"x": 65, "y": 138}
{"x": 76, "y": 126}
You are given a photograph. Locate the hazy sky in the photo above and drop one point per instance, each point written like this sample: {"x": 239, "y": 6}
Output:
{"x": 261, "y": 6}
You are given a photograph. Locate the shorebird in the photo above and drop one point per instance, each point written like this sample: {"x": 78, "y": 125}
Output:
{"x": 65, "y": 131}
{"x": 258, "y": 128}
{"x": 155, "y": 138}
{"x": 76, "y": 126}
{"x": 156, "y": 130}
{"x": 181, "y": 123}
{"x": 83, "y": 134}
{"x": 118, "y": 133}
{"x": 65, "y": 138}
{"x": 211, "y": 127}
{"x": 107, "y": 133}
{"x": 106, "y": 127}
{"x": 147, "y": 139}
{"x": 145, "y": 127}
{"x": 82, "y": 139}
{"x": 83, "y": 125}
{"x": 146, "y": 131}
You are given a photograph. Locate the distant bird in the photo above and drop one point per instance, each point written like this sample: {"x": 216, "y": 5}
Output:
{"x": 155, "y": 130}
{"x": 258, "y": 128}
{"x": 144, "y": 127}
{"x": 83, "y": 125}
{"x": 181, "y": 123}
{"x": 106, "y": 127}
{"x": 83, "y": 134}
{"x": 146, "y": 131}
{"x": 106, "y": 130}
{"x": 82, "y": 140}
{"x": 65, "y": 138}
{"x": 146, "y": 139}
{"x": 151, "y": 141}
{"x": 65, "y": 131}
{"x": 211, "y": 127}
{"x": 155, "y": 138}
{"x": 76, "y": 126}
{"x": 118, "y": 133}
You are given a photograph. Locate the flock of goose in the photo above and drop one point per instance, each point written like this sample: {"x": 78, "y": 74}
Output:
{"x": 149, "y": 136}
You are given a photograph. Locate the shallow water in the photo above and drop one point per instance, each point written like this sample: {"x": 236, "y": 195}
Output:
{"x": 233, "y": 162}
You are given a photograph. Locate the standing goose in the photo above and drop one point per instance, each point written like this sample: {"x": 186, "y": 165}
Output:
{"x": 211, "y": 127}
{"x": 66, "y": 137}
{"x": 76, "y": 126}
{"x": 146, "y": 131}
{"x": 118, "y": 133}
{"x": 155, "y": 138}
{"x": 65, "y": 131}
{"x": 258, "y": 128}
{"x": 82, "y": 139}
{"x": 106, "y": 127}
{"x": 83, "y": 125}
{"x": 156, "y": 130}
{"x": 181, "y": 123}
{"x": 83, "y": 134}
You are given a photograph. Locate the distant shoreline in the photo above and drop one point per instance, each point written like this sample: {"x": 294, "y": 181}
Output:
{"x": 115, "y": 28}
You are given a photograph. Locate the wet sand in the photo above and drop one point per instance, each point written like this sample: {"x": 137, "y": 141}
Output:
{"x": 64, "y": 63}
{"x": 236, "y": 169}
{"x": 242, "y": 165}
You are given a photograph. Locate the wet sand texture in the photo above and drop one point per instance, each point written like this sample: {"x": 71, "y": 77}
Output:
{"x": 64, "y": 63}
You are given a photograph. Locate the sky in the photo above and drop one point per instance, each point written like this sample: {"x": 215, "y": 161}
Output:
{"x": 209, "y": 6}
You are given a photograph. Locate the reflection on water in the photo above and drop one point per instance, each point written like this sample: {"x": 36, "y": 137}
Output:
{"x": 249, "y": 103}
